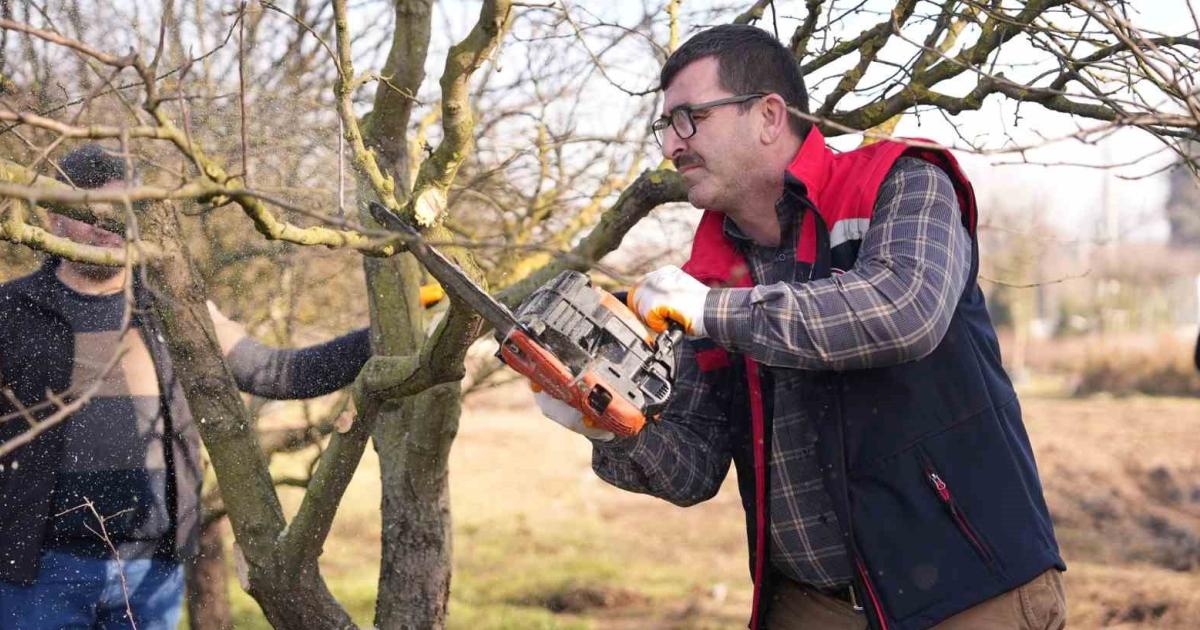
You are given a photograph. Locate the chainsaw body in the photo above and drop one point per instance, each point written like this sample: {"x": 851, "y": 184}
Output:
{"x": 584, "y": 346}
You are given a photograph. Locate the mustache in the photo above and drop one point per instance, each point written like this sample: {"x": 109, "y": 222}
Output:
{"x": 687, "y": 159}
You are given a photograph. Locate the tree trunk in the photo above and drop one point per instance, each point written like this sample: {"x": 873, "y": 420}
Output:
{"x": 414, "y": 574}
{"x": 415, "y": 566}
{"x": 207, "y": 586}
{"x": 288, "y": 586}
{"x": 413, "y": 435}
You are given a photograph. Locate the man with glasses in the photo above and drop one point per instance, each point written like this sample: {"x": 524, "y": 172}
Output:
{"x": 130, "y": 454}
{"x": 841, "y": 356}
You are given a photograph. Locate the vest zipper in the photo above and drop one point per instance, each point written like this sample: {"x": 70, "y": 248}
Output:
{"x": 947, "y": 499}
{"x": 876, "y": 606}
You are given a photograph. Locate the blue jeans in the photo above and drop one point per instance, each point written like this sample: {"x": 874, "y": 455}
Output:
{"x": 74, "y": 591}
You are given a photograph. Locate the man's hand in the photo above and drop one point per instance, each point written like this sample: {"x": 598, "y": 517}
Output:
{"x": 669, "y": 293}
{"x": 568, "y": 416}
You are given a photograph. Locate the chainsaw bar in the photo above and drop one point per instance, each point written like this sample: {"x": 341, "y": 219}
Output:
{"x": 452, "y": 278}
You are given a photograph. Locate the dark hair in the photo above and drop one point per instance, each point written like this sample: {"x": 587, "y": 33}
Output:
{"x": 91, "y": 166}
{"x": 749, "y": 60}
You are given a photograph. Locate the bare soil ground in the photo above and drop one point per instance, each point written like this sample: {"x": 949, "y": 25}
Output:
{"x": 1122, "y": 478}
{"x": 540, "y": 542}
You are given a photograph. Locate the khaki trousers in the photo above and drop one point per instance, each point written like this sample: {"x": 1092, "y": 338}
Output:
{"x": 1040, "y": 604}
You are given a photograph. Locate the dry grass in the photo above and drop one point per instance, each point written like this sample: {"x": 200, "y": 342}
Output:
{"x": 1118, "y": 364}
{"x": 541, "y": 543}
{"x": 1165, "y": 370}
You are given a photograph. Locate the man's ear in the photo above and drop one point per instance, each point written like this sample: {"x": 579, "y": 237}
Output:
{"x": 774, "y": 112}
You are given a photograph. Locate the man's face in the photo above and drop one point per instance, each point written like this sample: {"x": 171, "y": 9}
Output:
{"x": 84, "y": 233}
{"x": 714, "y": 161}
{"x": 87, "y": 234}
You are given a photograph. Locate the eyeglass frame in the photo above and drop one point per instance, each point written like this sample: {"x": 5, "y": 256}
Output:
{"x": 660, "y": 124}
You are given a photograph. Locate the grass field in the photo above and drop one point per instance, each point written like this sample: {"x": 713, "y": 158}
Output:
{"x": 540, "y": 542}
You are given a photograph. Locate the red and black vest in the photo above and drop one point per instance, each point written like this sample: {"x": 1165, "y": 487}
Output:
{"x": 931, "y": 473}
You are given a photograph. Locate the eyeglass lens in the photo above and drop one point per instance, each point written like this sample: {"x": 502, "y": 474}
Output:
{"x": 681, "y": 120}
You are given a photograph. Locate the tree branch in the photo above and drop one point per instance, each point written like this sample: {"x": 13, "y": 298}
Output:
{"x": 804, "y": 32}
{"x": 868, "y": 49}
{"x": 458, "y": 122}
{"x": 650, "y": 190}
{"x": 401, "y": 79}
{"x": 753, "y": 13}
{"x": 364, "y": 159}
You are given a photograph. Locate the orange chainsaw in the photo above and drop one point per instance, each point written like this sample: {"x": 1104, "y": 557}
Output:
{"x": 575, "y": 341}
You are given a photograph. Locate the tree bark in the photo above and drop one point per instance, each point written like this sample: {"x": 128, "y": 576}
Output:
{"x": 387, "y": 128}
{"x": 415, "y": 565}
{"x": 207, "y": 582}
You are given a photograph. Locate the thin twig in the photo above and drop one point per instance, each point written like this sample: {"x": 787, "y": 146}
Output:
{"x": 103, "y": 534}
{"x": 242, "y": 91}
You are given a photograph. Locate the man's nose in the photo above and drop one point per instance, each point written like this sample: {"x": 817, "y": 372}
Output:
{"x": 672, "y": 144}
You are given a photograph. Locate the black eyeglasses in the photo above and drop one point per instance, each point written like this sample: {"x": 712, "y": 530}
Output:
{"x": 680, "y": 119}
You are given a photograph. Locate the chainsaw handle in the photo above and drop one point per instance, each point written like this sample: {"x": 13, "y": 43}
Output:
{"x": 671, "y": 337}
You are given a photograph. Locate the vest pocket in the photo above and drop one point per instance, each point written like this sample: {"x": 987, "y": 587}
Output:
{"x": 945, "y": 495}
{"x": 918, "y": 555}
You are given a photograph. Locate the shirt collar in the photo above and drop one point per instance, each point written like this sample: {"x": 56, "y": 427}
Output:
{"x": 788, "y": 218}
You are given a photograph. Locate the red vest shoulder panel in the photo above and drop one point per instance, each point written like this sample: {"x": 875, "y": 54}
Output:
{"x": 842, "y": 186}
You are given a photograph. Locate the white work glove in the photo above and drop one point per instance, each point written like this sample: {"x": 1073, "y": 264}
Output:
{"x": 669, "y": 293}
{"x": 569, "y": 417}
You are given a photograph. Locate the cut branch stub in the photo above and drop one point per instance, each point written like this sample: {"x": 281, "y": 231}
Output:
{"x": 429, "y": 207}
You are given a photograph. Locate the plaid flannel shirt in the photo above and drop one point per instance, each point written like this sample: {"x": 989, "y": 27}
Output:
{"x": 893, "y": 306}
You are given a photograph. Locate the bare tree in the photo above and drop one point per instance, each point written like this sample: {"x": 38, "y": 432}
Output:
{"x": 255, "y": 114}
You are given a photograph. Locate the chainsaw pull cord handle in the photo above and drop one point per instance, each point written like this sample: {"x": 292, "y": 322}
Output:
{"x": 667, "y": 344}
{"x": 672, "y": 336}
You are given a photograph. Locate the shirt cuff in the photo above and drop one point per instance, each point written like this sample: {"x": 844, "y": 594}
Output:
{"x": 727, "y": 317}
